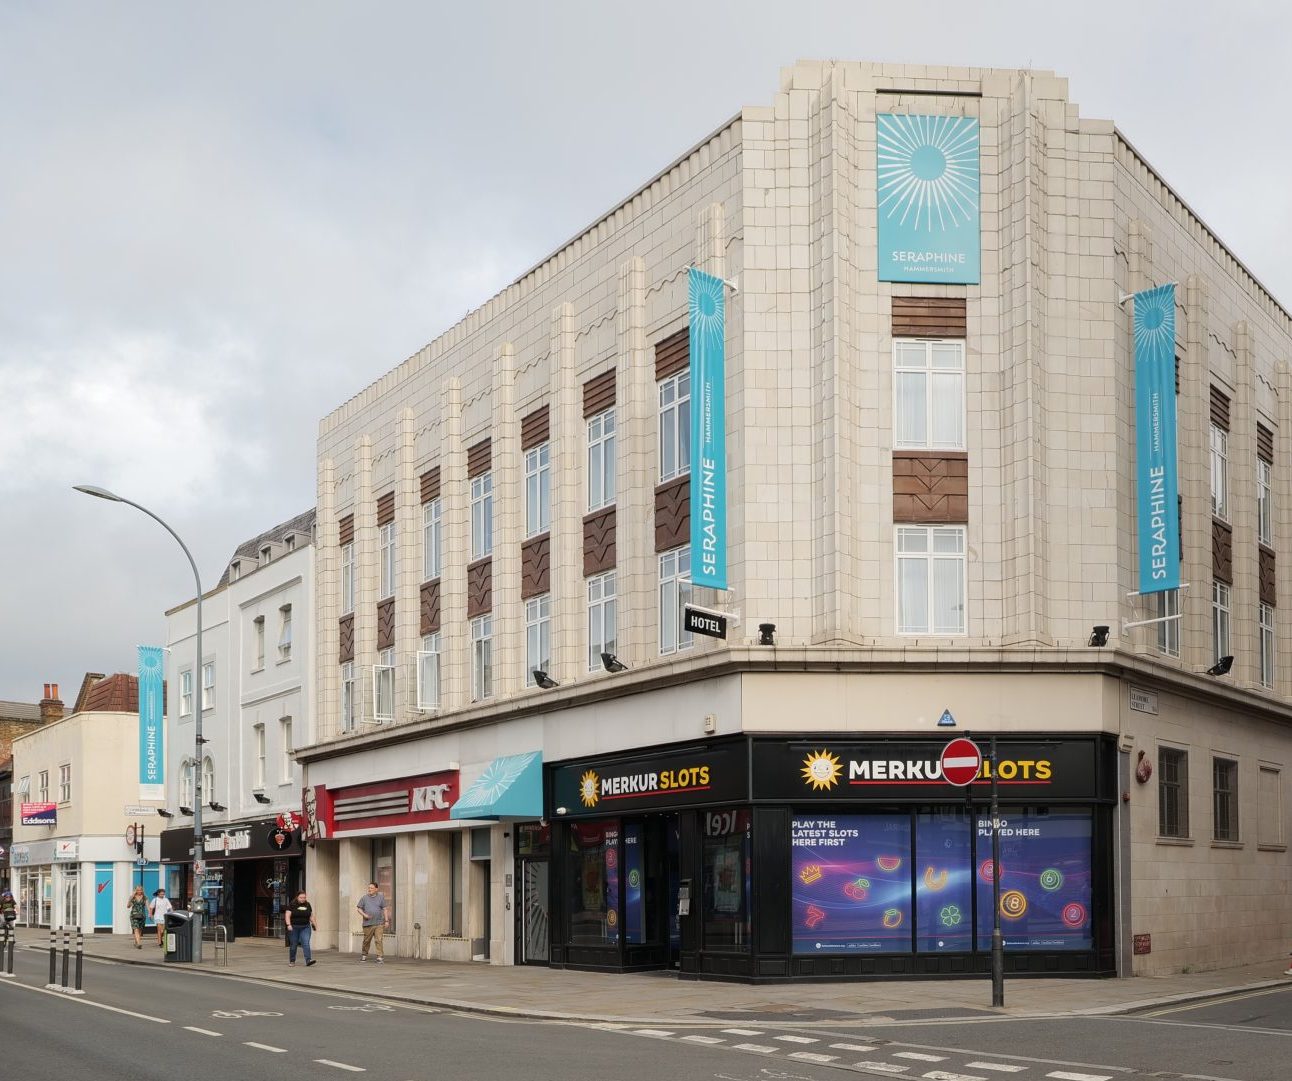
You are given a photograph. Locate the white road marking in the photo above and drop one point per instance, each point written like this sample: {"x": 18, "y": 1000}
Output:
{"x": 812, "y": 1056}
{"x": 762, "y": 1049}
{"x": 340, "y": 1065}
{"x": 265, "y": 1047}
{"x": 881, "y": 1067}
{"x": 89, "y": 1002}
{"x": 943, "y": 1075}
{"x": 852, "y": 1047}
{"x": 704, "y": 1039}
{"x": 652, "y": 1032}
{"x": 1063, "y": 1075}
{"x": 203, "y": 1031}
{"x": 742, "y": 1032}
{"x": 797, "y": 1039}
{"x": 919, "y": 1056}
{"x": 999, "y": 1067}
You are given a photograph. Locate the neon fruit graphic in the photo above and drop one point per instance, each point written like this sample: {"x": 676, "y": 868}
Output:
{"x": 888, "y": 863}
{"x": 935, "y": 880}
{"x": 1074, "y": 914}
{"x": 821, "y": 770}
{"x": 588, "y": 789}
{"x": 892, "y": 918}
{"x": 809, "y": 874}
{"x": 1013, "y": 904}
{"x": 950, "y": 916}
{"x": 814, "y": 916}
{"x": 858, "y": 889}
{"x": 612, "y": 918}
{"x": 1051, "y": 879}
{"x": 634, "y": 878}
{"x": 987, "y": 871}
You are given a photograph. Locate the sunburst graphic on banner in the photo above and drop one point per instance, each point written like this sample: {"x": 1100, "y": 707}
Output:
{"x": 497, "y": 778}
{"x": 589, "y": 789}
{"x": 706, "y": 302}
{"x": 928, "y": 170}
{"x": 821, "y": 770}
{"x": 1155, "y": 322}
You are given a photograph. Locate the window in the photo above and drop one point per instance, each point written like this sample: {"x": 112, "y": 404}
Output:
{"x": 1267, "y": 645}
{"x": 42, "y": 786}
{"x": 207, "y": 795}
{"x": 386, "y": 559}
{"x": 601, "y": 618}
{"x": 591, "y": 883}
{"x": 1269, "y": 830}
{"x": 186, "y": 780}
{"x": 347, "y": 578}
{"x": 929, "y": 394}
{"x": 930, "y": 580}
{"x": 1224, "y": 799}
{"x": 289, "y": 542}
{"x": 258, "y": 625}
{"x": 481, "y": 658}
{"x": 1172, "y": 792}
{"x": 674, "y": 425}
{"x": 208, "y": 685}
{"x": 1265, "y": 502}
{"x": 432, "y": 539}
{"x": 65, "y": 783}
{"x": 285, "y": 633}
{"x": 383, "y": 873}
{"x": 428, "y": 673}
{"x": 266, "y": 554}
{"x": 383, "y": 686}
{"x": 235, "y": 569}
{"x": 258, "y": 734}
{"x": 538, "y": 489}
{"x": 482, "y": 515}
{"x": 1168, "y": 631}
{"x": 348, "y": 699}
{"x": 289, "y": 749}
{"x": 1220, "y": 619}
{"x": 1220, "y": 472}
{"x": 674, "y": 595}
{"x": 601, "y": 460}
{"x": 186, "y": 693}
{"x": 538, "y": 636}
{"x": 727, "y": 851}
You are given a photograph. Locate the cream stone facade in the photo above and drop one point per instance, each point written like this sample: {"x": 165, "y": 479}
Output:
{"x": 781, "y": 202}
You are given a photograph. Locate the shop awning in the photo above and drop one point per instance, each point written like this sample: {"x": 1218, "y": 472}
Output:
{"x": 510, "y": 787}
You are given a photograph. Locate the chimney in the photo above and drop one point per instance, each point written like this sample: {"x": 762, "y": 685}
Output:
{"x": 51, "y": 707}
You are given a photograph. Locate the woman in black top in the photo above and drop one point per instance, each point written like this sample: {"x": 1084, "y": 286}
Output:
{"x": 300, "y": 925}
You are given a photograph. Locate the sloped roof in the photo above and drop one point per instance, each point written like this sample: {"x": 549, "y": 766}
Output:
{"x": 117, "y": 693}
{"x": 302, "y": 525}
{"x": 19, "y": 711}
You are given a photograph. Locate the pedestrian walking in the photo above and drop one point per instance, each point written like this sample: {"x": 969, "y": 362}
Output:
{"x": 376, "y": 918}
{"x": 300, "y": 927}
{"x": 138, "y": 909}
{"x": 8, "y": 910}
{"x": 157, "y": 908}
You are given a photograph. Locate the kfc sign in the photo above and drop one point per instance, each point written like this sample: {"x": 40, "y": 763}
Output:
{"x": 409, "y": 801}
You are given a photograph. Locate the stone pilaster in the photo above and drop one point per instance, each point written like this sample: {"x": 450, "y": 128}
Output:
{"x": 455, "y": 661}
{"x": 508, "y": 528}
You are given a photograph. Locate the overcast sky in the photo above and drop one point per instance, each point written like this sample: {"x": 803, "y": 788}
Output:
{"x": 219, "y": 221}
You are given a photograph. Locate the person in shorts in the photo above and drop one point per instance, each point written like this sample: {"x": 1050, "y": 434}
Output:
{"x": 158, "y": 908}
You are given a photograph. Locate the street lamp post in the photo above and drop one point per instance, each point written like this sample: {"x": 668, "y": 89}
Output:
{"x": 197, "y": 904}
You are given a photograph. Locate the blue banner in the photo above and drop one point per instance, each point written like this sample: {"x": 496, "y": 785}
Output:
{"x": 1155, "y": 466}
{"x": 152, "y": 757}
{"x": 927, "y": 188}
{"x": 708, "y": 342}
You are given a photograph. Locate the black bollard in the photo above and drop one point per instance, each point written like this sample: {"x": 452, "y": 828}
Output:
{"x": 53, "y": 954}
{"x": 67, "y": 943}
{"x": 80, "y": 957}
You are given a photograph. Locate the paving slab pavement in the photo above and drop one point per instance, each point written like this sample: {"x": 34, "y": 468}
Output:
{"x": 654, "y": 998}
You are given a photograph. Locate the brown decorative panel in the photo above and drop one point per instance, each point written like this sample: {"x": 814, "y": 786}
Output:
{"x": 431, "y": 484}
{"x": 479, "y": 458}
{"x": 536, "y": 566}
{"x": 929, "y": 317}
{"x": 346, "y": 627}
{"x": 1268, "y": 593}
{"x": 930, "y": 487}
{"x": 386, "y": 624}
{"x": 599, "y": 393}
{"x": 672, "y": 354}
{"x": 1222, "y": 551}
{"x": 672, "y": 514}
{"x": 1219, "y": 408}
{"x": 430, "y": 607}
{"x": 479, "y": 588}
{"x": 599, "y": 542}
{"x": 534, "y": 429}
{"x": 1264, "y": 444}
{"x": 386, "y": 509}
{"x": 347, "y": 529}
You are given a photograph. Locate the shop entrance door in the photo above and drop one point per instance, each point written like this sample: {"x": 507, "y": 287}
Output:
{"x": 650, "y": 887}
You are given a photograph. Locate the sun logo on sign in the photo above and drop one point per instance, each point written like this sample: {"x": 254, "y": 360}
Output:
{"x": 927, "y": 170}
{"x": 589, "y": 789}
{"x": 821, "y": 770}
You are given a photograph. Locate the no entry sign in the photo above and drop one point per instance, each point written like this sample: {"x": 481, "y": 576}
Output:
{"x": 961, "y": 761}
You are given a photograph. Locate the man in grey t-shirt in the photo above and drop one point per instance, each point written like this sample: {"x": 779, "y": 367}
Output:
{"x": 376, "y": 918}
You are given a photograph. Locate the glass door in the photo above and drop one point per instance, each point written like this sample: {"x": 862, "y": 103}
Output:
{"x": 534, "y": 912}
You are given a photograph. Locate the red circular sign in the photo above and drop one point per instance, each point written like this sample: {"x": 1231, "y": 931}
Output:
{"x": 961, "y": 760}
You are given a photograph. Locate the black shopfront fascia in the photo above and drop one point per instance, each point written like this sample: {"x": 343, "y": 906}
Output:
{"x": 177, "y": 844}
{"x": 770, "y": 778}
